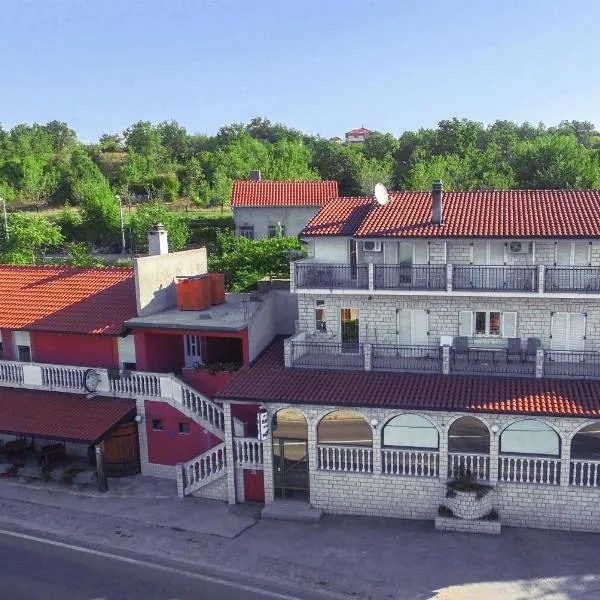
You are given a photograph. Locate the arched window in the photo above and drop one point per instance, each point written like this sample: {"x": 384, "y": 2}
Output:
{"x": 289, "y": 423}
{"x": 411, "y": 431}
{"x": 586, "y": 443}
{"x": 530, "y": 436}
{"x": 344, "y": 427}
{"x": 469, "y": 435}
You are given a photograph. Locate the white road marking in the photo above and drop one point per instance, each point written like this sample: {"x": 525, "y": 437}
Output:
{"x": 143, "y": 563}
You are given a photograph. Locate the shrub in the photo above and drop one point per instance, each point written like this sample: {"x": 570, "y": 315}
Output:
{"x": 444, "y": 511}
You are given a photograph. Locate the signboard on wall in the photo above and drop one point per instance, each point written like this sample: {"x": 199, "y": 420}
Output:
{"x": 263, "y": 425}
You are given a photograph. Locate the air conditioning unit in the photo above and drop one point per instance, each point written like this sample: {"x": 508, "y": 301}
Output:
{"x": 518, "y": 247}
{"x": 372, "y": 246}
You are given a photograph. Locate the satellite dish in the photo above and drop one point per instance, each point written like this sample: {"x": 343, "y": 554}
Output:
{"x": 381, "y": 194}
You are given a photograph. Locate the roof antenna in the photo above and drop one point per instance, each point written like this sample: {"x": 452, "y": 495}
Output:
{"x": 381, "y": 194}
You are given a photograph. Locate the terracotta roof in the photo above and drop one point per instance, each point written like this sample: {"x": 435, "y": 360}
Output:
{"x": 282, "y": 193}
{"x": 66, "y": 299}
{"x": 359, "y": 131}
{"x": 340, "y": 216}
{"x": 267, "y": 380}
{"x": 52, "y": 415}
{"x": 505, "y": 214}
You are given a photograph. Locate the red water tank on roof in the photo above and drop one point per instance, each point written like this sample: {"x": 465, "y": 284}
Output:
{"x": 217, "y": 288}
{"x": 194, "y": 293}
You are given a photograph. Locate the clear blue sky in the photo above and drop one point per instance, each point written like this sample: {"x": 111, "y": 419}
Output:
{"x": 323, "y": 66}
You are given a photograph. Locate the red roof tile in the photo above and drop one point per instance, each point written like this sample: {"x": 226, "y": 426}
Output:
{"x": 340, "y": 216}
{"x": 508, "y": 214}
{"x": 359, "y": 131}
{"x": 66, "y": 299}
{"x": 52, "y": 415}
{"x": 267, "y": 380}
{"x": 282, "y": 193}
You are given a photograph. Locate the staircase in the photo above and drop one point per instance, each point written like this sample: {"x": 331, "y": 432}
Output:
{"x": 202, "y": 470}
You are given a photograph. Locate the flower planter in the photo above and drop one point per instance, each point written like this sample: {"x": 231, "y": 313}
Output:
{"x": 472, "y": 504}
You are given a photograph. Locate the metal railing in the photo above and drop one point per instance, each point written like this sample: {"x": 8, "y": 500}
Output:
{"x": 328, "y": 355}
{"x": 572, "y": 279}
{"x": 356, "y": 459}
{"x": 406, "y": 358}
{"x": 416, "y": 463}
{"x": 477, "y": 465}
{"x": 410, "y": 277}
{"x": 570, "y": 363}
{"x": 327, "y": 276}
{"x": 495, "y": 278}
{"x": 529, "y": 469}
{"x": 490, "y": 361}
{"x": 584, "y": 472}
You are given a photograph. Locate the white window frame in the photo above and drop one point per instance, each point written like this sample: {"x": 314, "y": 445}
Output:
{"x": 568, "y": 340}
{"x": 246, "y": 231}
{"x": 323, "y": 307}
{"x": 488, "y": 315}
{"x": 192, "y": 349}
{"x": 272, "y": 230}
{"x": 488, "y": 252}
{"x": 21, "y": 338}
{"x": 413, "y": 315}
{"x": 504, "y": 323}
{"x": 396, "y": 252}
{"x": 572, "y": 254}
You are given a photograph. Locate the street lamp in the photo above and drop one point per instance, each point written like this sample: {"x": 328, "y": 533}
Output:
{"x": 122, "y": 226}
{"x": 5, "y": 220}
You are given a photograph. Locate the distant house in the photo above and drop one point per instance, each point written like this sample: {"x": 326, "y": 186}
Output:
{"x": 261, "y": 207}
{"x": 336, "y": 139}
{"x": 357, "y": 136}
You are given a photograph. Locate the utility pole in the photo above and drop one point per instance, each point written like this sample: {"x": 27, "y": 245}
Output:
{"x": 5, "y": 220}
{"x": 122, "y": 226}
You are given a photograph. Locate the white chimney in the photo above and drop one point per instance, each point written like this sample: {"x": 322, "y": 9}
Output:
{"x": 437, "y": 208}
{"x": 157, "y": 240}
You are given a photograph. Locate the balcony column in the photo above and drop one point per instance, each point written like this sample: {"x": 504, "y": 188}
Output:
{"x": 368, "y": 356}
{"x": 229, "y": 457}
{"x": 292, "y": 277}
{"x": 376, "y": 446}
{"x": 287, "y": 352}
{"x": 541, "y": 278}
{"x": 494, "y": 454}
{"x": 565, "y": 460}
{"x": 269, "y": 482}
{"x": 448, "y": 277}
{"x": 446, "y": 360}
{"x": 539, "y": 363}
{"x": 371, "y": 267}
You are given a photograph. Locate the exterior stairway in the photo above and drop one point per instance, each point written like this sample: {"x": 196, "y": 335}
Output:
{"x": 205, "y": 468}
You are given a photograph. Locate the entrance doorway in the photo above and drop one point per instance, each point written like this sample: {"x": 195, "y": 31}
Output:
{"x": 349, "y": 330}
{"x": 290, "y": 455}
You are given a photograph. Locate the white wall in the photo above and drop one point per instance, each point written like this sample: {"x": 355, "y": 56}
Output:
{"x": 295, "y": 218}
{"x": 330, "y": 249}
{"x": 261, "y": 329}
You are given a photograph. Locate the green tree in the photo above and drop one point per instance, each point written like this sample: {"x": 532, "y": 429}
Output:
{"x": 155, "y": 212}
{"x": 62, "y": 137}
{"x": 30, "y": 236}
{"x": 379, "y": 146}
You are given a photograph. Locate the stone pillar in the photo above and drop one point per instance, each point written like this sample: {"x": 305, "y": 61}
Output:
{"x": 371, "y": 277}
{"x": 292, "y": 277}
{"x": 539, "y": 363}
{"x": 368, "y": 356}
{"x": 179, "y": 472}
{"x": 313, "y": 464}
{"x": 377, "y": 429}
{"x": 494, "y": 453}
{"x": 565, "y": 460}
{"x": 287, "y": 352}
{"x": 446, "y": 360}
{"x": 449, "y": 277}
{"x": 444, "y": 452}
{"x": 268, "y": 464}
{"x": 541, "y": 278}
{"x": 229, "y": 456}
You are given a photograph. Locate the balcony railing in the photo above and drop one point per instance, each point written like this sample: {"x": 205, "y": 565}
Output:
{"x": 407, "y": 358}
{"x": 529, "y": 469}
{"x": 248, "y": 452}
{"x": 585, "y": 472}
{"x": 569, "y": 363}
{"x": 417, "y": 463}
{"x": 477, "y": 465}
{"x": 495, "y": 278}
{"x": 327, "y": 355}
{"x": 318, "y": 275}
{"x": 410, "y": 277}
{"x": 357, "y": 459}
{"x": 490, "y": 361}
{"x": 572, "y": 279}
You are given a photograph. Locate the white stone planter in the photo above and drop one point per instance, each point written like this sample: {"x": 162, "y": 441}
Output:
{"x": 466, "y": 505}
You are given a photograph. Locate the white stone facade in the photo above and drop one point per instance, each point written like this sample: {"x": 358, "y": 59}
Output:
{"x": 293, "y": 218}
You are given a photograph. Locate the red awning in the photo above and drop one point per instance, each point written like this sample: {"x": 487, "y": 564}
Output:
{"x": 56, "y": 416}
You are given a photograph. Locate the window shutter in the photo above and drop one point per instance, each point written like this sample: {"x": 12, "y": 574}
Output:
{"x": 480, "y": 255}
{"x": 390, "y": 250}
{"x": 419, "y": 327}
{"x": 581, "y": 254}
{"x": 496, "y": 253}
{"x": 420, "y": 253}
{"x": 563, "y": 253}
{"x": 509, "y": 324}
{"x": 465, "y": 323}
{"x": 576, "y": 332}
{"x": 404, "y": 327}
{"x": 559, "y": 331}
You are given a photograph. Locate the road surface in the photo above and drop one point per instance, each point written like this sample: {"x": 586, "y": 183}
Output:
{"x": 35, "y": 568}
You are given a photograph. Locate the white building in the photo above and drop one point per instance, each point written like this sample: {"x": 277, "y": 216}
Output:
{"x": 357, "y": 136}
{"x": 260, "y": 208}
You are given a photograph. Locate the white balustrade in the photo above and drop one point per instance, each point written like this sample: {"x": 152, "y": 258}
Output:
{"x": 462, "y": 463}
{"x": 529, "y": 469}
{"x": 203, "y": 407}
{"x": 62, "y": 377}
{"x": 202, "y": 468}
{"x": 585, "y": 473}
{"x": 357, "y": 459}
{"x": 11, "y": 372}
{"x": 248, "y": 452}
{"x": 136, "y": 383}
{"x": 418, "y": 463}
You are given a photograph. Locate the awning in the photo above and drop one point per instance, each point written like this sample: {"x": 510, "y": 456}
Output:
{"x": 60, "y": 416}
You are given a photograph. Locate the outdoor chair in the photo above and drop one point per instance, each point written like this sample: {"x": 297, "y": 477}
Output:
{"x": 532, "y": 347}
{"x": 513, "y": 350}
{"x": 461, "y": 348}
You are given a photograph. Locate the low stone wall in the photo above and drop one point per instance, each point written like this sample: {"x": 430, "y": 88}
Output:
{"x": 467, "y": 505}
{"x": 468, "y": 526}
{"x": 216, "y": 490}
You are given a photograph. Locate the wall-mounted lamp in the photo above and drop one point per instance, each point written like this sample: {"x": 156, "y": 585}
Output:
{"x": 138, "y": 419}
{"x": 374, "y": 423}
{"x": 495, "y": 429}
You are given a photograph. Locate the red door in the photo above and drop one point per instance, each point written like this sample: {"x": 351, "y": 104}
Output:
{"x": 254, "y": 485}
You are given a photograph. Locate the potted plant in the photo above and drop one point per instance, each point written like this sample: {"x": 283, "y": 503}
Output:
{"x": 467, "y": 498}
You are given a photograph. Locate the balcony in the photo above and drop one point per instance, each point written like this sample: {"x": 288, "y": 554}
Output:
{"x": 568, "y": 363}
{"x": 325, "y": 276}
{"x": 584, "y": 280}
{"x": 410, "y": 277}
{"x": 491, "y": 361}
{"x": 495, "y": 279}
{"x": 327, "y": 355}
{"x": 415, "y": 359}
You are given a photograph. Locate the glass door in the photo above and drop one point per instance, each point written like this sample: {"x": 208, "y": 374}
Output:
{"x": 350, "y": 330}
{"x": 290, "y": 465}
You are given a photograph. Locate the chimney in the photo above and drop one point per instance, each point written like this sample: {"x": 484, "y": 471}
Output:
{"x": 157, "y": 240}
{"x": 254, "y": 175}
{"x": 437, "y": 214}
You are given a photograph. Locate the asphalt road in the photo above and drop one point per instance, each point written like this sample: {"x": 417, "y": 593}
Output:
{"x": 33, "y": 568}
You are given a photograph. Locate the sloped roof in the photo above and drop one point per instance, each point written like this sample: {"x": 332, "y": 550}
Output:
{"x": 66, "y": 299}
{"x": 489, "y": 213}
{"x": 359, "y": 131}
{"x": 267, "y": 380}
{"x": 340, "y": 216}
{"x": 282, "y": 193}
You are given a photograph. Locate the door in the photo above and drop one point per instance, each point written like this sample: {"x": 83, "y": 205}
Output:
{"x": 411, "y": 328}
{"x": 349, "y": 330}
{"x": 568, "y": 331}
{"x": 353, "y": 259}
{"x": 405, "y": 261}
{"x": 290, "y": 465}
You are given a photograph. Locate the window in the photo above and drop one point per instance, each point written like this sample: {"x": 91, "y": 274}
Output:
{"x": 272, "y": 230}
{"x": 410, "y": 431}
{"x": 157, "y": 425}
{"x": 192, "y": 349}
{"x": 572, "y": 253}
{"x": 320, "y": 316}
{"x": 530, "y": 436}
{"x": 129, "y": 366}
{"x": 184, "y": 427}
{"x": 412, "y": 327}
{"x": 488, "y": 323}
{"x": 247, "y": 231}
{"x": 24, "y": 353}
{"x": 568, "y": 331}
